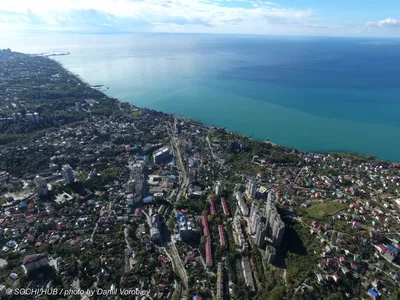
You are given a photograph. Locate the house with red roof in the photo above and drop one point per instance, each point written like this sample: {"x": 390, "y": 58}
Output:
{"x": 212, "y": 206}
{"x": 224, "y": 206}
{"x": 209, "y": 260}
{"x": 3, "y": 222}
{"x": 206, "y": 230}
{"x": 222, "y": 236}
{"x": 30, "y": 219}
{"x": 381, "y": 248}
{"x": 356, "y": 224}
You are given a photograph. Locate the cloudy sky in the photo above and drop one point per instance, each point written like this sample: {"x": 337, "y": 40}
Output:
{"x": 304, "y": 17}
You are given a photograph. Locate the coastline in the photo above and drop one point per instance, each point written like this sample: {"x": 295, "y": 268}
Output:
{"x": 104, "y": 90}
{"x": 267, "y": 141}
{"x": 333, "y": 152}
{"x": 297, "y": 127}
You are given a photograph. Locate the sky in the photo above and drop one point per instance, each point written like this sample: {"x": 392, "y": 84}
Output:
{"x": 281, "y": 17}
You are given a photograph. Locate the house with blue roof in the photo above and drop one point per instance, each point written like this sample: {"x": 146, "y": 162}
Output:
{"x": 373, "y": 293}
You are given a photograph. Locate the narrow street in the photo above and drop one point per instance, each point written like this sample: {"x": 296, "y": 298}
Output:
{"x": 148, "y": 216}
{"x": 176, "y": 152}
{"x": 94, "y": 231}
{"x": 211, "y": 150}
{"x": 129, "y": 254}
{"x": 178, "y": 269}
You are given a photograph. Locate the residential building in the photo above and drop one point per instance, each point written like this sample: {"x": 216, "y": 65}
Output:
{"x": 161, "y": 155}
{"x": 206, "y": 230}
{"x": 251, "y": 188}
{"x": 155, "y": 234}
{"x": 30, "y": 117}
{"x": 213, "y": 210}
{"x": 390, "y": 253}
{"x": 68, "y": 174}
{"x": 224, "y": 205}
{"x": 261, "y": 234}
{"x": 32, "y": 263}
{"x": 373, "y": 293}
{"x": 248, "y": 276}
{"x": 209, "y": 260}
{"x": 278, "y": 231}
{"x": 185, "y": 228}
{"x": 253, "y": 216}
{"x": 220, "y": 281}
{"x": 222, "y": 236}
{"x": 244, "y": 209}
{"x": 275, "y": 225}
{"x": 219, "y": 188}
{"x": 36, "y": 117}
{"x": 41, "y": 186}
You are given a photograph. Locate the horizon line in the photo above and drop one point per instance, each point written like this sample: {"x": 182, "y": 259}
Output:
{"x": 199, "y": 33}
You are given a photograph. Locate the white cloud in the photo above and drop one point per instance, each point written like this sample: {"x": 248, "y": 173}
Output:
{"x": 386, "y": 23}
{"x": 197, "y": 15}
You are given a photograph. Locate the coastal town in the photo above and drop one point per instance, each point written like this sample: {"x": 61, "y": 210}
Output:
{"x": 100, "y": 195}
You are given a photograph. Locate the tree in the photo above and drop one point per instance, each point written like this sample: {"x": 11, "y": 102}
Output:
{"x": 171, "y": 224}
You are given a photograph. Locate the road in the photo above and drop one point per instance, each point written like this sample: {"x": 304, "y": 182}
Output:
{"x": 295, "y": 179}
{"x": 94, "y": 231}
{"x": 148, "y": 216}
{"x": 179, "y": 269}
{"x": 129, "y": 259}
{"x": 179, "y": 263}
{"x": 126, "y": 239}
{"x": 204, "y": 264}
{"x": 212, "y": 151}
{"x": 177, "y": 153}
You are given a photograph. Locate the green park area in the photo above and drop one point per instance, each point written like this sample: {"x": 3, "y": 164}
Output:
{"x": 320, "y": 211}
{"x": 136, "y": 112}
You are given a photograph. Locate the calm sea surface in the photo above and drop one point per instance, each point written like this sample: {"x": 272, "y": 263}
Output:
{"x": 314, "y": 94}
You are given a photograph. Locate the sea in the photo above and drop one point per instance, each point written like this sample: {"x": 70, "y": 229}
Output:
{"x": 316, "y": 94}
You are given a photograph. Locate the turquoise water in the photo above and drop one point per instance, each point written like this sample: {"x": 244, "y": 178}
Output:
{"x": 314, "y": 94}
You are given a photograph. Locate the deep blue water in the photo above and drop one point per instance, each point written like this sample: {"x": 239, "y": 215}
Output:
{"x": 315, "y": 94}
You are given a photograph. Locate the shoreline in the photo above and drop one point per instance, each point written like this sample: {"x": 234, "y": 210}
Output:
{"x": 267, "y": 141}
{"x": 103, "y": 89}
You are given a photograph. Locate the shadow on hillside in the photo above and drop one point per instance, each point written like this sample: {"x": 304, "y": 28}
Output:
{"x": 292, "y": 243}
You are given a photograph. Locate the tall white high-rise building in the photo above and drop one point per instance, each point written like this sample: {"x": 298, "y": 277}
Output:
{"x": 189, "y": 144}
{"x": 37, "y": 117}
{"x": 261, "y": 234}
{"x": 251, "y": 188}
{"x": 30, "y": 117}
{"x": 68, "y": 174}
{"x": 219, "y": 188}
{"x": 278, "y": 230}
{"x": 275, "y": 225}
{"x": 254, "y": 217}
{"x": 41, "y": 185}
